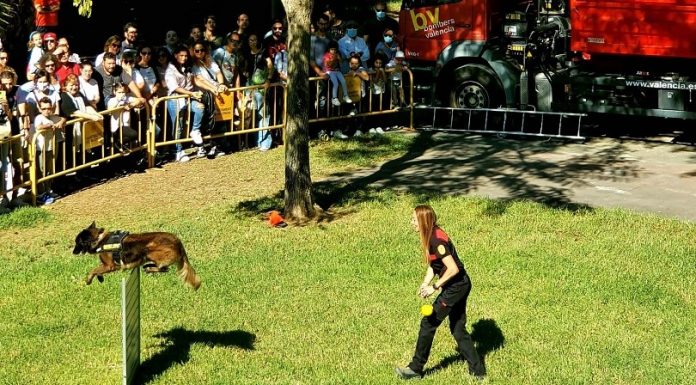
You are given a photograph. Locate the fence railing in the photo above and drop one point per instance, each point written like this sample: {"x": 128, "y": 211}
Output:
{"x": 239, "y": 113}
{"x": 378, "y": 95}
{"x": 35, "y": 163}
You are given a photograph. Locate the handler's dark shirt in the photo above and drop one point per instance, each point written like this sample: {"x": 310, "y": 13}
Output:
{"x": 441, "y": 246}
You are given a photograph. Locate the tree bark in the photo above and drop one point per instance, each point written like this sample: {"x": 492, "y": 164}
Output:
{"x": 299, "y": 204}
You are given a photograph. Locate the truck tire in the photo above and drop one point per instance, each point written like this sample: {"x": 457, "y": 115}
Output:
{"x": 474, "y": 87}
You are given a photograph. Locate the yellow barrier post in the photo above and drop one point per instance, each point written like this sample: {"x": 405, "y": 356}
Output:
{"x": 32, "y": 170}
{"x": 410, "y": 77}
{"x": 150, "y": 138}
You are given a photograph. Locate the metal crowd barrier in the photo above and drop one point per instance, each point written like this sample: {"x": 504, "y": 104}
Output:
{"x": 93, "y": 146}
{"x": 240, "y": 112}
{"x": 369, "y": 104}
{"x": 14, "y": 165}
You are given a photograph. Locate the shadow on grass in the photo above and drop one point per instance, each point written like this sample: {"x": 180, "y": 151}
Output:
{"x": 487, "y": 338}
{"x": 546, "y": 172}
{"x": 177, "y": 345}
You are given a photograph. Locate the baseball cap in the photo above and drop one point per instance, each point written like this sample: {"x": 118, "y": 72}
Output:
{"x": 400, "y": 55}
{"x": 49, "y": 35}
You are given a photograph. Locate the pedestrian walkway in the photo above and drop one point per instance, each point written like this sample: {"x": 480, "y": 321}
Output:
{"x": 642, "y": 176}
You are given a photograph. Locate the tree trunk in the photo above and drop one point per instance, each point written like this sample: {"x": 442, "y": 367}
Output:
{"x": 299, "y": 205}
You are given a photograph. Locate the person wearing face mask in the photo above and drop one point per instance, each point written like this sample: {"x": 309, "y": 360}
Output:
{"x": 352, "y": 44}
{"x": 374, "y": 27}
{"x": 388, "y": 46}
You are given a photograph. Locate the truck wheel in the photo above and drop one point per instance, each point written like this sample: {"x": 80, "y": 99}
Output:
{"x": 474, "y": 87}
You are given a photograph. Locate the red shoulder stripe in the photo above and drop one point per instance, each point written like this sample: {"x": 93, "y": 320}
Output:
{"x": 441, "y": 235}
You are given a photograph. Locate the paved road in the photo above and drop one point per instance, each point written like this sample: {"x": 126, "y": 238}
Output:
{"x": 649, "y": 177}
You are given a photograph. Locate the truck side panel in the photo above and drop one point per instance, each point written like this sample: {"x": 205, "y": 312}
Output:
{"x": 664, "y": 28}
{"x": 427, "y": 30}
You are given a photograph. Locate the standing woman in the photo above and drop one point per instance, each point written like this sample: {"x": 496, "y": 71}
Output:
{"x": 113, "y": 45}
{"x": 181, "y": 81}
{"x": 442, "y": 260}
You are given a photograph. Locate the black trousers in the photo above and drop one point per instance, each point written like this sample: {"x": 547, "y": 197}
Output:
{"x": 450, "y": 303}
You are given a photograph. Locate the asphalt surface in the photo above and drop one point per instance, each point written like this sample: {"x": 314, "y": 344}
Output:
{"x": 639, "y": 175}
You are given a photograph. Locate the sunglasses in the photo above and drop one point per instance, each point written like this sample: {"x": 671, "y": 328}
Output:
{"x": 50, "y": 41}
{"x": 115, "y": 45}
{"x": 49, "y": 65}
{"x": 128, "y": 61}
{"x": 199, "y": 50}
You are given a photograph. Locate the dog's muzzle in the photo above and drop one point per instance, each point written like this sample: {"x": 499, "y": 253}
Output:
{"x": 79, "y": 249}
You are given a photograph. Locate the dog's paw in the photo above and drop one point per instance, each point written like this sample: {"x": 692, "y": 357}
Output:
{"x": 100, "y": 278}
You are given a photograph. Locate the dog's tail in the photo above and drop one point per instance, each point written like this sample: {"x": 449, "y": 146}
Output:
{"x": 186, "y": 272}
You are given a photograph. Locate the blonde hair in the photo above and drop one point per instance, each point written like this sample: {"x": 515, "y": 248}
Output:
{"x": 427, "y": 220}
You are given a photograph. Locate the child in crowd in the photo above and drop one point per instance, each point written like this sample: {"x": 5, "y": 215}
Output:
{"x": 49, "y": 125}
{"x": 121, "y": 119}
{"x": 356, "y": 76}
{"x": 35, "y": 48}
{"x": 378, "y": 77}
{"x": 397, "y": 90}
{"x": 332, "y": 68}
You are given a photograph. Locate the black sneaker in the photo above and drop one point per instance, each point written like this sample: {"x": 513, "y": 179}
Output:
{"x": 407, "y": 373}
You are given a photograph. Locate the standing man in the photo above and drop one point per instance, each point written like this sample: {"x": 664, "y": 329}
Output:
{"x": 243, "y": 27}
{"x": 275, "y": 44}
{"x": 210, "y": 33}
{"x": 107, "y": 74}
{"x": 319, "y": 44}
{"x": 46, "y": 15}
{"x": 375, "y": 26}
{"x": 130, "y": 38}
{"x": 352, "y": 44}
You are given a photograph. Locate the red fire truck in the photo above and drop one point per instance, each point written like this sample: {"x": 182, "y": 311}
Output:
{"x": 627, "y": 57}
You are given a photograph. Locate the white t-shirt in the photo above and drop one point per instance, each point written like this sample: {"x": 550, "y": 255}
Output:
{"x": 148, "y": 75}
{"x": 89, "y": 89}
{"x": 45, "y": 141}
{"x": 204, "y": 72}
{"x": 124, "y": 115}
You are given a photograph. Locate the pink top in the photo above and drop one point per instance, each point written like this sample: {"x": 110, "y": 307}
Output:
{"x": 331, "y": 62}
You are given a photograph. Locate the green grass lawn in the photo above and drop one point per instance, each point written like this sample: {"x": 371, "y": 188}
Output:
{"x": 560, "y": 296}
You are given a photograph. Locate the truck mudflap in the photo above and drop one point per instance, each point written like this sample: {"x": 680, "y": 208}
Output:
{"x": 501, "y": 121}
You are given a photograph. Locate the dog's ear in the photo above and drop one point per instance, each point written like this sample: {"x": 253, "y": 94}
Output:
{"x": 93, "y": 225}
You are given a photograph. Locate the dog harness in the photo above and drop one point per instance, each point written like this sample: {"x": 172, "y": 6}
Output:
{"x": 114, "y": 245}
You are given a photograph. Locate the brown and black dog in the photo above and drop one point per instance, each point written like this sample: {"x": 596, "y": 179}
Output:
{"x": 120, "y": 250}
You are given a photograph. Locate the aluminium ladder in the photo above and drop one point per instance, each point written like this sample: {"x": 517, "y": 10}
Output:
{"x": 502, "y": 121}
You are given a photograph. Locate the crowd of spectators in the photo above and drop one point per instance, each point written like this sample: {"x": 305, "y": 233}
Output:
{"x": 130, "y": 73}
{"x": 362, "y": 59}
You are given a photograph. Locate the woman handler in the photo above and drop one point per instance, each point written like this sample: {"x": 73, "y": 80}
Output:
{"x": 442, "y": 261}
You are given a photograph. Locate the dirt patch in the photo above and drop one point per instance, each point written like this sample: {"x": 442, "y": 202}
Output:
{"x": 177, "y": 187}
